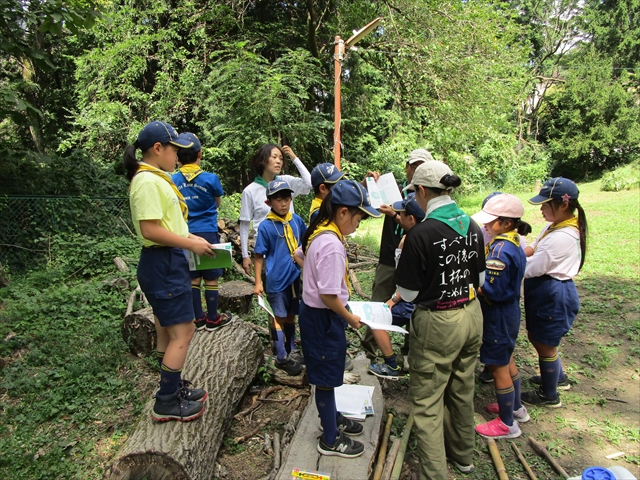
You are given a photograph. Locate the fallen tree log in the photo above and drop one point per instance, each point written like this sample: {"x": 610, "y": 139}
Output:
{"x": 223, "y": 362}
{"x": 139, "y": 331}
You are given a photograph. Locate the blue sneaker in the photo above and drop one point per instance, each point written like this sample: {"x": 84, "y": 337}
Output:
{"x": 383, "y": 370}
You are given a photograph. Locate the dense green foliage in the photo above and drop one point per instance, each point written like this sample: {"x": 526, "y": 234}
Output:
{"x": 498, "y": 89}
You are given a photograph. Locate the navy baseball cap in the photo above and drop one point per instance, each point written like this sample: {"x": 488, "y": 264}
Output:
{"x": 325, "y": 173}
{"x": 276, "y": 186}
{"x": 558, "y": 188}
{"x": 352, "y": 194}
{"x": 191, "y": 137}
{"x": 160, "y": 132}
{"x": 410, "y": 206}
{"x": 489, "y": 197}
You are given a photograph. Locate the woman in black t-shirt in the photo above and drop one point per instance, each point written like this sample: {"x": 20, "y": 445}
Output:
{"x": 441, "y": 266}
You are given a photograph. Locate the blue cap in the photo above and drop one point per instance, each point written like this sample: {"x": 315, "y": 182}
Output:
{"x": 191, "y": 137}
{"x": 350, "y": 193}
{"x": 276, "y": 186}
{"x": 325, "y": 173}
{"x": 160, "y": 132}
{"x": 597, "y": 473}
{"x": 558, "y": 188}
{"x": 411, "y": 206}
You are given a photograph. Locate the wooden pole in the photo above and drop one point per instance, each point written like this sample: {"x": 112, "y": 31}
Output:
{"x": 337, "y": 73}
{"x": 523, "y": 461}
{"x": 391, "y": 458}
{"x": 542, "y": 451}
{"x": 397, "y": 467}
{"x": 383, "y": 448}
{"x": 497, "y": 459}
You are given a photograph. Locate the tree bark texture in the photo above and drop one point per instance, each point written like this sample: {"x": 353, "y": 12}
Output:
{"x": 223, "y": 362}
{"x": 139, "y": 332}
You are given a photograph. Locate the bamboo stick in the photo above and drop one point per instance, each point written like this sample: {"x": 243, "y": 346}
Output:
{"x": 542, "y": 451}
{"x": 497, "y": 459}
{"x": 523, "y": 461}
{"x": 397, "y": 466}
{"x": 391, "y": 458}
{"x": 383, "y": 448}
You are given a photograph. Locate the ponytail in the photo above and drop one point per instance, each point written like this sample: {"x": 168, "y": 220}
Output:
{"x": 582, "y": 228}
{"x": 450, "y": 181}
{"x": 523, "y": 228}
{"x": 130, "y": 161}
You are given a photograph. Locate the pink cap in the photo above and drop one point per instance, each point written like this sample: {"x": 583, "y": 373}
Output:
{"x": 503, "y": 205}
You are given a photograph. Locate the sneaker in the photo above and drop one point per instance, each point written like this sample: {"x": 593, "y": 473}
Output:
{"x": 342, "y": 447}
{"x": 521, "y": 415}
{"x": 348, "y": 364}
{"x": 191, "y": 394}
{"x": 222, "y": 320}
{"x": 200, "y": 323}
{"x": 347, "y": 426}
{"x": 297, "y": 356}
{"x": 562, "y": 385}
{"x": 537, "y": 399}
{"x": 497, "y": 429}
{"x": 175, "y": 408}
{"x": 485, "y": 376}
{"x": 384, "y": 371}
{"x": 289, "y": 365}
{"x": 466, "y": 469}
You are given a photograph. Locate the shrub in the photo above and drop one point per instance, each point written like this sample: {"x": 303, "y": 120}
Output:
{"x": 622, "y": 178}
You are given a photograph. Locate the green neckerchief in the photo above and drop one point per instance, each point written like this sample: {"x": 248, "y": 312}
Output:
{"x": 454, "y": 217}
{"x": 261, "y": 181}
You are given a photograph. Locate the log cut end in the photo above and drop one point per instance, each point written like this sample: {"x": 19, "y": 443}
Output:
{"x": 146, "y": 465}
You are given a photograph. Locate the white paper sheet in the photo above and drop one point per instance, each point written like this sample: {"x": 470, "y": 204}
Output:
{"x": 375, "y": 314}
{"x": 262, "y": 302}
{"x": 354, "y": 400}
{"x": 384, "y": 191}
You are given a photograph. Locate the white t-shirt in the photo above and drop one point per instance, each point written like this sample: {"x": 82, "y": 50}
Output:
{"x": 557, "y": 255}
{"x": 253, "y": 209}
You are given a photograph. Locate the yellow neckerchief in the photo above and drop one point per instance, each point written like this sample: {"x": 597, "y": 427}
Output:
{"x": 570, "y": 222}
{"x": 511, "y": 236}
{"x": 333, "y": 228}
{"x": 143, "y": 167}
{"x": 190, "y": 171}
{"x": 292, "y": 242}
{"x": 315, "y": 205}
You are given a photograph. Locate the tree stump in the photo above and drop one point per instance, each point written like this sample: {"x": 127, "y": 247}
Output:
{"x": 139, "y": 332}
{"x": 235, "y": 296}
{"x": 223, "y": 362}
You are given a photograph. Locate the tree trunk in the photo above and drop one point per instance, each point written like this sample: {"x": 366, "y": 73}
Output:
{"x": 223, "y": 362}
{"x": 235, "y": 296}
{"x": 139, "y": 332}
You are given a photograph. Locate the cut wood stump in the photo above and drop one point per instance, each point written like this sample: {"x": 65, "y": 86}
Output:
{"x": 223, "y": 362}
{"x": 303, "y": 453}
{"x": 139, "y": 332}
{"x": 235, "y": 297}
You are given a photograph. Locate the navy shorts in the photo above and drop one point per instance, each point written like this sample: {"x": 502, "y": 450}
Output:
{"x": 501, "y": 324}
{"x": 550, "y": 307}
{"x": 324, "y": 345}
{"x": 214, "y": 273}
{"x": 163, "y": 275}
{"x": 401, "y": 313}
{"x": 285, "y": 303}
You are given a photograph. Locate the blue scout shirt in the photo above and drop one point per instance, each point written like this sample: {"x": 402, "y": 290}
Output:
{"x": 281, "y": 270}
{"x": 200, "y": 195}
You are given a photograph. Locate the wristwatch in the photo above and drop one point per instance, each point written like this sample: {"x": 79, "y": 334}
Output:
{"x": 394, "y": 298}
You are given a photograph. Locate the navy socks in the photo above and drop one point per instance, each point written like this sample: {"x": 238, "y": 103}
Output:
{"x": 278, "y": 342}
{"x": 326, "y": 403}
{"x": 391, "y": 361}
{"x": 550, "y": 368}
{"x": 505, "y": 398}
{"x": 289, "y": 336}
{"x": 211, "y": 297}
{"x": 169, "y": 380}
{"x": 517, "y": 404}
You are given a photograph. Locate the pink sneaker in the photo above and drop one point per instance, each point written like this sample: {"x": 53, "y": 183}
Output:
{"x": 521, "y": 415}
{"x": 496, "y": 429}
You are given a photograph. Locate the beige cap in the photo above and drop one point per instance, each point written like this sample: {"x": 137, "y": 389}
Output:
{"x": 429, "y": 174}
{"x": 503, "y": 205}
{"x": 419, "y": 155}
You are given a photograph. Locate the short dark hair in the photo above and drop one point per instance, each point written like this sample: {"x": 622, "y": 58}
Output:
{"x": 260, "y": 159}
{"x": 187, "y": 155}
{"x": 281, "y": 194}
